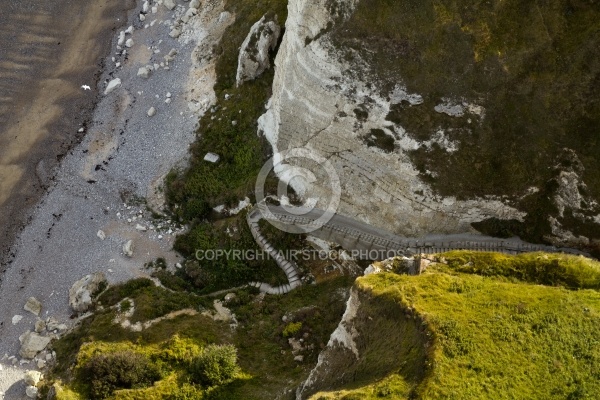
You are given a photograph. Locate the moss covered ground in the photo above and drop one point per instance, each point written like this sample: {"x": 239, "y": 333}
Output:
{"x": 533, "y": 65}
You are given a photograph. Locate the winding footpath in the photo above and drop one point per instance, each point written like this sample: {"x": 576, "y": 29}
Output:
{"x": 365, "y": 239}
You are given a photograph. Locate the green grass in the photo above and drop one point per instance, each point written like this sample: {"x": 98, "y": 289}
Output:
{"x": 533, "y": 66}
{"x": 490, "y": 329}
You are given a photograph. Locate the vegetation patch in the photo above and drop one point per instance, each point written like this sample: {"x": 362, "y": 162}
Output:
{"x": 496, "y": 327}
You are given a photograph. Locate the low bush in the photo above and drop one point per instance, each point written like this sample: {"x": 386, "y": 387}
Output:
{"x": 121, "y": 370}
{"x": 216, "y": 365}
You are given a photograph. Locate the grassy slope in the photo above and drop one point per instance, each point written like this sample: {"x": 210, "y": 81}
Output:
{"x": 533, "y": 65}
{"x": 496, "y": 336}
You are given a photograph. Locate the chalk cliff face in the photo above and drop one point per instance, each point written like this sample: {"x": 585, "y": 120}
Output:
{"x": 322, "y": 104}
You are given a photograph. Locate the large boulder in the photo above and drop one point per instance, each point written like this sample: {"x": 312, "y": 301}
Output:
{"x": 82, "y": 292}
{"x": 31, "y": 344}
{"x": 254, "y": 53}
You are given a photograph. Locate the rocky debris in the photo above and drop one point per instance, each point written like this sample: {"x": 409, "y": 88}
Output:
{"x": 229, "y": 297}
{"x": 121, "y": 39}
{"x": 130, "y": 30}
{"x": 144, "y": 72}
{"x": 145, "y": 6}
{"x": 170, "y": 4}
{"x": 175, "y": 33}
{"x": 31, "y": 344}
{"x": 33, "y": 306}
{"x": 16, "y": 319}
{"x": 253, "y": 59}
{"x": 101, "y": 234}
{"x": 299, "y": 358}
{"x": 140, "y": 228}
{"x": 41, "y": 364}
{"x": 151, "y": 112}
{"x": 31, "y": 392}
{"x": 171, "y": 56}
{"x": 211, "y": 157}
{"x": 142, "y": 17}
{"x": 53, "y": 325}
{"x": 82, "y": 291}
{"x": 129, "y": 42}
{"x": 32, "y": 377}
{"x": 39, "y": 326}
{"x": 128, "y": 248}
{"x": 112, "y": 85}
{"x": 195, "y": 4}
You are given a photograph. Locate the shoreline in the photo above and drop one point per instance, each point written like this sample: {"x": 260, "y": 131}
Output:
{"x": 102, "y": 182}
{"x": 42, "y": 108}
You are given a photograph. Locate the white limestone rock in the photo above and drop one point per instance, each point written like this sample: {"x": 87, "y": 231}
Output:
{"x": 129, "y": 42}
{"x": 144, "y": 72}
{"x": 151, "y": 112}
{"x": 170, "y": 4}
{"x": 101, "y": 234}
{"x": 31, "y": 344}
{"x": 16, "y": 319}
{"x": 31, "y": 392}
{"x": 253, "y": 59}
{"x": 82, "y": 292}
{"x": 33, "y": 306}
{"x": 112, "y": 85}
{"x": 32, "y": 377}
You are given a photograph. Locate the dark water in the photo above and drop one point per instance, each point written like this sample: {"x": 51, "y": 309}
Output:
{"x": 48, "y": 49}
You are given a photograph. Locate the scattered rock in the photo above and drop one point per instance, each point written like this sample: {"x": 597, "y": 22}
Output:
{"x": 31, "y": 344}
{"x": 31, "y": 392}
{"x": 112, "y": 85}
{"x": 168, "y": 95}
{"x": 145, "y": 6}
{"x": 253, "y": 59}
{"x": 53, "y": 324}
{"x": 129, "y": 42}
{"x": 144, "y": 72}
{"x": 101, "y": 234}
{"x": 299, "y": 358}
{"x": 170, "y": 4}
{"x": 40, "y": 325}
{"x": 128, "y": 246}
{"x": 32, "y": 377}
{"x": 130, "y": 30}
{"x": 16, "y": 319}
{"x": 211, "y": 157}
{"x": 151, "y": 112}
{"x": 33, "y": 306}
{"x": 140, "y": 228}
{"x": 121, "y": 39}
{"x": 41, "y": 364}
{"x": 142, "y": 17}
{"x": 175, "y": 33}
{"x": 229, "y": 297}
{"x": 82, "y": 291}
{"x": 195, "y": 4}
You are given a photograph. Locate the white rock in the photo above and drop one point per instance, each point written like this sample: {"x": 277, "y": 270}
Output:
{"x": 31, "y": 344}
{"x": 31, "y": 392}
{"x": 253, "y": 59}
{"x": 167, "y": 101}
{"x": 170, "y": 4}
{"x": 101, "y": 234}
{"x": 128, "y": 248}
{"x": 39, "y": 326}
{"x": 142, "y": 17}
{"x": 81, "y": 130}
{"x": 16, "y": 319}
{"x": 112, "y": 85}
{"x": 168, "y": 94}
{"x": 80, "y": 294}
{"x": 32, "y": 377}
{"x": 130, "y": 30}
{"x": 144, "y": 72}
{"x": 129, "y": 42}
{"x": 145, "y": 6}
{"x": 33, "y": 306}
{"x": 151, "y": 112}
{"x": 140, "y": 228}
{"x": 121, "y": 39}
{"x": 195, "y": 4}
{"x": 154, "y": 10}
{"x": 41, "y": 364}
{"x": 178, "y": 266}
{"x": 175, "y": 33}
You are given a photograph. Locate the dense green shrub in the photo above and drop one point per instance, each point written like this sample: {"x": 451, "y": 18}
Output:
{"x": 292, "y": 328}
{"x": 216, "y": 365}
{"x": 121, "y": 370}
